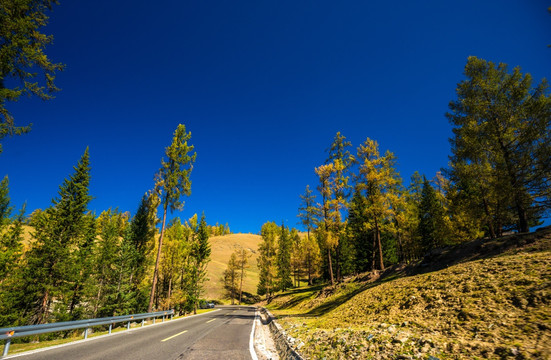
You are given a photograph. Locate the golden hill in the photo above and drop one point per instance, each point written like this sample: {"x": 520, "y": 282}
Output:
{"x": 221, "y": 249}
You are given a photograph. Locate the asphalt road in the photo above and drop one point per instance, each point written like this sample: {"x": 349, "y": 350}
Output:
{"x": 222, "y": 334}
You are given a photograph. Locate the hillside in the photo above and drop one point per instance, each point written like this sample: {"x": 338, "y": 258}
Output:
{"x": 222, "y": 247}
{"x": 484, "y": 299}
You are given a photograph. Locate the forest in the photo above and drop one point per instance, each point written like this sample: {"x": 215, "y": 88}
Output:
{"x": 361, "y": 217}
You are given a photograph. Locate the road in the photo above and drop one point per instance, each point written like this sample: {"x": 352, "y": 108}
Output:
{"x": 222, "y": 334}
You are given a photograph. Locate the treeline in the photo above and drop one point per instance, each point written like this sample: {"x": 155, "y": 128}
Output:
{"x": 78, "y": 265}
{"x": 364, "y": 218}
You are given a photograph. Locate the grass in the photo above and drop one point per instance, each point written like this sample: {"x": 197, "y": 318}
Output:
{"x": 221, "y": 249}
{"x": 19, "y": 347}
{"x": 492, "y": 304}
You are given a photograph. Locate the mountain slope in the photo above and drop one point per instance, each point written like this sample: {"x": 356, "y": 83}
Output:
{"x": 221, "y": 249}
{"x": 491, "y": 300}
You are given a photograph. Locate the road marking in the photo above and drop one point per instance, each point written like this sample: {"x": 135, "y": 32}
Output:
{"x": 210, "y": 320}
{"x": 173, "y": 336}
{"x": 251, "y": 338}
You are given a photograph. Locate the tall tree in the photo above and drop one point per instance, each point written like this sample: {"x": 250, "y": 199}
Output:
{"x": 21, "y": 54}
{"x": 502, "y": 130}
{"x": 173, "y": 182}
{"x": 379, "y": 182}
{"x": 243, "y": 263}
{"x": 284, "y": 259}
{"x": 231, "y": 277}
{"x": 431, "y": 218}
{"x": 61, "y": 232}
{"x": 200, "y": 255}
{"x": 267, "y": 251}
{"x": 308, "y": 213}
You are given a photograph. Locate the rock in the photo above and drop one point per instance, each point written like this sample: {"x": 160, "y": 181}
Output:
{"x": 401, "y": 337}
{"x": 370, "y": 336}
{"x": 405, "y": 323}
{"x": 391, "y": 328}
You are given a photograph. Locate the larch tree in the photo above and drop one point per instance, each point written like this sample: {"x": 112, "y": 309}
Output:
{"x": 200, "y": 255}
{"x": 173, "y": 182}
{"x": 378, "y": 181}
{"x": 243, "y": 262}
{"x": 502, "y": 130}
{"x": 231, "y": 275}
{"x": 21, "y": 54}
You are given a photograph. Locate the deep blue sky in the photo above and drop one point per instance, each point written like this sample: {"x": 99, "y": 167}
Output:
{"x": 262, "y": 85}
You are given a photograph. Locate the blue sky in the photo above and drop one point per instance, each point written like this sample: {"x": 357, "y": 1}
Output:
{"x": 262, "y": 85}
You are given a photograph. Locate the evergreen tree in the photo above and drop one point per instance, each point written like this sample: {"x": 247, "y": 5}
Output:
{"x": 431, "y": 219}
{"x": 54, "y": 268}
{"x": 200, "y": 255}
{"x": 360, "y": 234}
{"x": 173, "y": 181}
{"x": 284, "y": 281}
{"x": 21, "y": 54}
{"x": 243, "y": 263}
{"x": 502, "y": 143}
{"x": 267, "y": 251}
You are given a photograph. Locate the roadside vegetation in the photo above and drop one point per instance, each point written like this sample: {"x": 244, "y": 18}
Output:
{"x": 483, "y": 299}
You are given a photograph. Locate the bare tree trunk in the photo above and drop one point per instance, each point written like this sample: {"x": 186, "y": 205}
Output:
{"x": 155, "y": 272}
{"x": 330, "y": 266}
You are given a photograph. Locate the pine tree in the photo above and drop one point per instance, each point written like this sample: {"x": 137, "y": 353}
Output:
{"x": 54, "y": 268}
{"x": 267, "y": 251}
{"x": 173, "y": 181}
{"x": 284, "y": 281}
{"x": 431, "y": 219}
{"x": 21, "y": 54}
{"x": 243, "y": 263}
{"x": 200, "y": 255}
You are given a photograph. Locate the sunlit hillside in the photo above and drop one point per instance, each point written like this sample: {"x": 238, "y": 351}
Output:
{"x": 222, "y": 247}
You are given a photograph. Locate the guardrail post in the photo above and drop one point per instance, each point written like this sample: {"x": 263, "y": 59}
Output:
{"x": 85, "y": 333}
{"x": 110, "y": 328}
{"x": 153, "y": 320}
{"x": 128, "y": 326}
{"x": 143, "y": 321}
{"x": 163, "y": 318}
{"x": 6, "y": 347}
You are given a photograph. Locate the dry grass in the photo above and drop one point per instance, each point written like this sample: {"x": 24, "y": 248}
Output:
{"x": 494, "y": 307}
{"x": 221, "y": 249}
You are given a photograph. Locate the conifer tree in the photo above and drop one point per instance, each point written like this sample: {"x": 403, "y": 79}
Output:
{"x": 62, "y": 233}
{"x": 284, "y": 281}
{"x": 243, "y": 263}
{"x": 431, "y": 218}
{"x": 231, "y": 277}
{"x": 21, "y": 54}
{"x": 200, "y": 255}
{"x": 502, "y": 142}
{"x": 267, "y": 252}
{"x": 173, "y": 182}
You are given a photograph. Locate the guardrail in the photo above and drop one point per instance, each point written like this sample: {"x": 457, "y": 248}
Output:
{"x": 21, "y": 331}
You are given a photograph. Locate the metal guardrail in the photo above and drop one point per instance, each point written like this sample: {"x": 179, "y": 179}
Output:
{"x": 21, "y": 331}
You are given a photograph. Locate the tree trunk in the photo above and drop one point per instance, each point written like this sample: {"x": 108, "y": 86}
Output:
{"x": 169, "y": 291}
{"x": 330, "y": 266}
{"x": 382, "y": 265}
{"x": 241, "y": 285}
{"x": 489, "y": 215}
{"x": 155, "y": 272}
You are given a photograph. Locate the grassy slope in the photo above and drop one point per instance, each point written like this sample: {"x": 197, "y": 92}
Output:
{"x": 222, "y": 247}
{"x": 480, "y": 300}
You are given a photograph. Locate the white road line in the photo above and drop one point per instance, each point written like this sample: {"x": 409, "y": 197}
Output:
{"x": 251, "y": 340}
{"x": 173, "y": 336}
{"x": 210, "y": 321}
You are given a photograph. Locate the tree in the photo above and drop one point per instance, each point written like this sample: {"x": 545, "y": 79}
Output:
{"x": 21, "y": 53}
{"x": 173, "y": 181}
{"x": 284, "y": 260}
{"x": 307, "y": 211}
{"x": 379, "y": 181}
{"x": 63, "y": 233}
{"x": 267, "y": 251}
{"x": 502, "y": 141}
{"x": 431, "y": 218}
{"x": 200, "y": 255}
{"x": 230, "y": 276}
{"x": 243, "y": 263}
